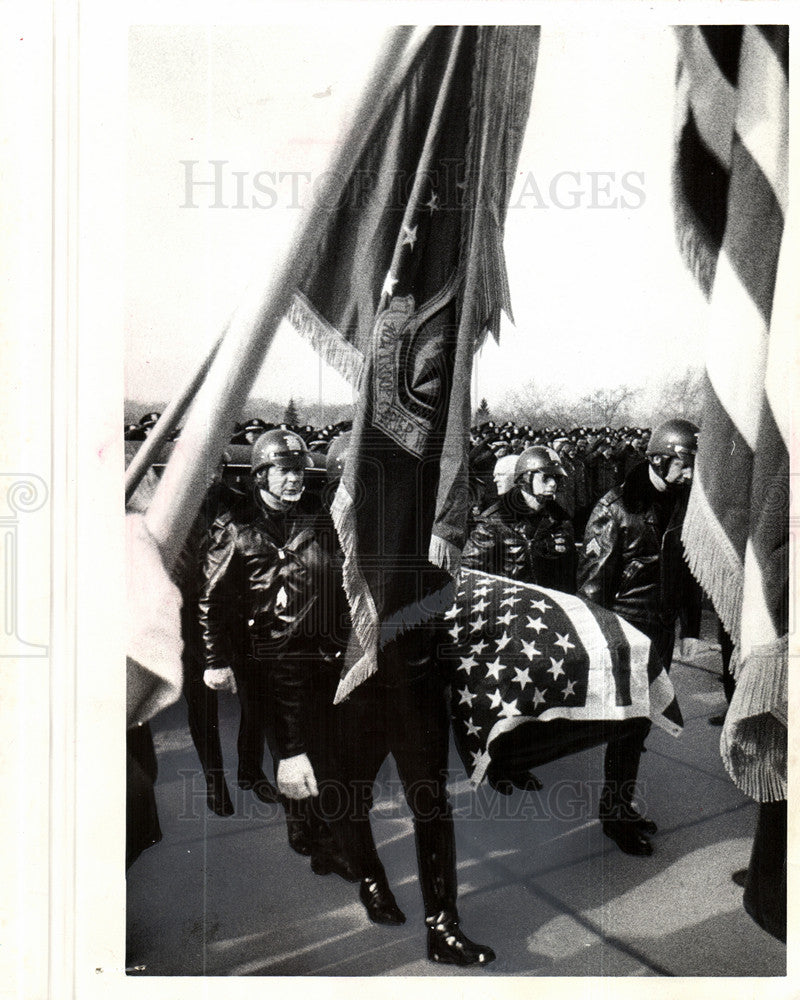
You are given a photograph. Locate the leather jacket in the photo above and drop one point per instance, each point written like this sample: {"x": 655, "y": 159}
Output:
{"x": 632, "y": 560}
{"x": 511, "y": 539}
{"x": 263, "y": 605}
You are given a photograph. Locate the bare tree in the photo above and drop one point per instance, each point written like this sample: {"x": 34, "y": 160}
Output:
{"x": 681, "y": 397}
{"x": 607, "y": 407}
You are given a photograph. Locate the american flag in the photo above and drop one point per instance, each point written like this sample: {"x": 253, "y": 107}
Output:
{"x": 732, "y": 205}
{"x": 525, "y": 654}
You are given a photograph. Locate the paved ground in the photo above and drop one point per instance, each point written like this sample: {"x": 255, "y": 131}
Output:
{"x": 538, "y": 880}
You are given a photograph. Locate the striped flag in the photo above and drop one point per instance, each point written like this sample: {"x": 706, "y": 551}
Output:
{"x": 408, "y": 278}
{"x": 524, "y": 654}
{"x": 731, "y": 203}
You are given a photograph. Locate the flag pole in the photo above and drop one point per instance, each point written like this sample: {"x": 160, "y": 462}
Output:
{"x": 167, "y": 423}
{"x": 255, "y": 321}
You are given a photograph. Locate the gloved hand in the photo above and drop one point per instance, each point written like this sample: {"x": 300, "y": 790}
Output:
{"x": 220, "y": 679}
{"x": 295, "y": 777}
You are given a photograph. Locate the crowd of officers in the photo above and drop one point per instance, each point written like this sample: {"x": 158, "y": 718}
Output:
{"x": 592, "y": 511}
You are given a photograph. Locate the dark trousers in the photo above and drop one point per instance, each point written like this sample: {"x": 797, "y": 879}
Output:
{"x": 726, "y": 645}
{"x": 143, "y": 829}
{"x": 256, "y": 724}
{"x": 536, "y": 743}
{"x": 402, "y": 711}
{"x": 203, "y": 715}
{"x": 765, "y": 889}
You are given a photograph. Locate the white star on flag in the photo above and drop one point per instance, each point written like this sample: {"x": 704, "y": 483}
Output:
{"x": 507, "y": 618}
{"x": 540, "y": 606}
{"x": 433, "y": 204}
{"x": 494, "y": 698}
{"x": 409, "y": 236}
{"x": 481, "y": 605}
{"x": 563, "y": 642}
{"x": 388, "y": 284}
{"x": 529, "y": 649}
{"x": 455, "y": 631}
{"x": 479, "y": 758}
{"x": 467, "y": 697}
{"x": 494, "y": 668}
{"x": 510, "y": 601}
{"x": 503, "y": 641}
{"x": 536, "y": 623}
{"x": 522, "y": 677}
{"x": 509, "y": 709}
{"x": 513, "y": 590}
{"x": 569, "y": 689}
{"x": 452, "y": 613}
{"x": 477, "y": 625}
{"x": 556, "y": 669}
{"x": 481, "y": 591}
{"x": 467, "y": 663}
{"x": 538, "y": 697}
{"x": 478, "y": 647}
{"x": 472, "y": 729}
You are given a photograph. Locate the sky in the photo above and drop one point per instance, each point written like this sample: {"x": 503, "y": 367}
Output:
{"x": 599, "y": 293}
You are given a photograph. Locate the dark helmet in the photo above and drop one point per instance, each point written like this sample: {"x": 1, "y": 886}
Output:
{"x": 674, "y": 437}
{"x": 337, "y": 456}
{"x": 282, "y": 448}
{"x": 537, "y": 459}
{"x": 150, "y": 419}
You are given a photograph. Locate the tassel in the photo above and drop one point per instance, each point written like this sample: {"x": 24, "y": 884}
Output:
{"x": 334, "y": 350}
{"x": 712, "y": 559}
{"x": 754, "y": 744}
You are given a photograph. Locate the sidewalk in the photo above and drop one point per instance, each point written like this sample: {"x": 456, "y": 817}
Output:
{"x": 538, "y": 880}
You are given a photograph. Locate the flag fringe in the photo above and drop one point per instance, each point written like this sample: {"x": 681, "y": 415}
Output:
{"x": 360, "y": 672}
{"x": 326, "y": 340}
{"x": 362, "y": 607}
{"x": 418, "y": 613}
{"x": 712, "y": 559}
{"x": 754, "y": 739}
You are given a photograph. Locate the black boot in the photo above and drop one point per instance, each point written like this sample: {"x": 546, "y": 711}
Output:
{"x": 379, "y": 901}
{"x": 217, "y": 795}
{"x": 436, "y": 856}
{"x": 298, "y": 831}
{"x": 620, "y": 820}
{"x": 628, "y": 837}
{"x": 328, "y": 861}
{"x": 448, "y": 944}
{"x": 505, "y": 781}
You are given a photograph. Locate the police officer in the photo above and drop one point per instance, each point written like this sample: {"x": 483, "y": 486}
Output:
{"x": 632, "y": 563}
{"x": 526, "y": 535}
{"x": 256, "y": 599}
{"x": 401, "y": 710}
